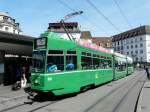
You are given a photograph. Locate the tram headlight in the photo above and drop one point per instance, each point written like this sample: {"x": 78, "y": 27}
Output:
{"x": 36, "y": 81}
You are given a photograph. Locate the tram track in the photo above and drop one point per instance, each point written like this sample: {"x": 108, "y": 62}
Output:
{"x": 135, "y": 85}
{"x": 13, "y": 107}
{"x": 33, "y": 110}
{"x": 125, "y": 84}
{"x": 12, "y": 99}
{"x": 27, "y": 107}
{"x": 39, "y": 105}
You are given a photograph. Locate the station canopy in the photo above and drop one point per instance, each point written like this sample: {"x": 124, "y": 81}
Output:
{"x": 16, "y": 44}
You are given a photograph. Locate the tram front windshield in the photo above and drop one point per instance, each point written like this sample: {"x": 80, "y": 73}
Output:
{"x": 38, "y": 61}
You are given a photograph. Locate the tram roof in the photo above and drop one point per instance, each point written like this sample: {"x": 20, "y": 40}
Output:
{"x": 80, "y": 43}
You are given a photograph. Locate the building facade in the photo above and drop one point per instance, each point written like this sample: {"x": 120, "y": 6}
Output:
{"x": 14, "y": 50}
{"x": 134, "y": 43}
{"x": 72, "y": 28}
{"x": 105, "y": 42}
{"x": 8, "y": 24}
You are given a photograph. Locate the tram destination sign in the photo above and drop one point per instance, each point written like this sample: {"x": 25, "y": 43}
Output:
{"x": 40, "y": 43}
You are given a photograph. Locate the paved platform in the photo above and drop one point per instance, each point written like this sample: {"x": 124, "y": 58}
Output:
{"x": 111, "y": 89}
{"x": 6, "y": 93}
{"x": 144, "y": 99}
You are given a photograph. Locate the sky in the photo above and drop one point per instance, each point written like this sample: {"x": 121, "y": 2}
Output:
{"x": 35, "y": 15}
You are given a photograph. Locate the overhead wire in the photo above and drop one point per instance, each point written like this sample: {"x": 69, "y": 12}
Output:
{"x": 122, "y": 13}
{"x": 102, "y": 14}
{"x": 84, "y": 17}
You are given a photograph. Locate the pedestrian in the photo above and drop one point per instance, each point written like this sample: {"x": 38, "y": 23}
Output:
{"x": 18, "y": 73}
{"x": 23, "y": 78}
{"x": 147, "y": 69}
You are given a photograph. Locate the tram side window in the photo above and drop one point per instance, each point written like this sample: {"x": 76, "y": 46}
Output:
{"x": 123, "y": 66}
{"x": 55, "y": 61}
{"x": 116, "y": 65}
{"x": 105, "y": 64}
{"x": 71, "y": 60}
{"x": 120, "y": 66}
{"x": 96, "y": 62}
{"x": 130, "y": 65}
{"x": 86, "y": 61}
{"x": 109, "y": 63}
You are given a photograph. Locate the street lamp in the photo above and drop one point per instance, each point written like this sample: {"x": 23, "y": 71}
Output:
{"x": 134, "y": 60}
{"x": 62, "y": 21}
{"x": 68, "y": 16}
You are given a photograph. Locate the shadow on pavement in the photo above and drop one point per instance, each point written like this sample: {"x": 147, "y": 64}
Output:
{"x": 43, "y": 97}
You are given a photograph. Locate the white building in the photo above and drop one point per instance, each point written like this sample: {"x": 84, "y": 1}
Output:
{"x": 72, "y": 28}
{"x": 134, "y": 43}
{"x": 8, "y": 24}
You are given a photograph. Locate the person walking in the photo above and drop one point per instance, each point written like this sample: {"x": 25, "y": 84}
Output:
{"x": 23, "y": 79}
{"x": 148, "y": 72}
{"x": 18, "y": 73}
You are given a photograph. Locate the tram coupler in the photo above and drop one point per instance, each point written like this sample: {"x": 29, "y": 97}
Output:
{"x": 31, "y": 95}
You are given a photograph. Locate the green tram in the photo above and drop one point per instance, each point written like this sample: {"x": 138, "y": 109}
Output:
{"x": 62, "y": 66}
{"x": 120, "y": 66}
{"x": 130, "y": 66}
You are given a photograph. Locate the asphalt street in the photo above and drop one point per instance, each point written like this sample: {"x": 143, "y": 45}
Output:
{"x": 117, "y": 96}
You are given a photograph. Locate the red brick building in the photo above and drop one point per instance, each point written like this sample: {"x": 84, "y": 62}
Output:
{"x": 100, "y": 41}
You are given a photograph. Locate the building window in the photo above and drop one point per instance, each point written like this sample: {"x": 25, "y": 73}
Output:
{"x": 141, "y": 59}
{"x": 135, "y": 39}
{"x": 136, "y": 58}
{"x": 141, "y": 45}
{"x": 108, "y": 44}
{"x": 6, "y": 28}
{"x": 100, "y": 44}
{"x": 118, "y": 42}
{"x": 121, "y": 47}
{"x": 141, "y": 51}
{"x": 14, "y": 31}
{"x": 121, "y": 42}
{"x": 127, "y": 41}
{"x": 136, "y": 52}
{"x": 127, "y": 53}
{"x": 5, "y": 18}
{"x": 131, "y": 41}
{"x": 131, "y": 46}
{"x": 127, "y": 47}
{"x": 1, "y": 26}
{"x": 131, "y": 52}
{"x": 118, "y": 48}
{"x": 9, "y": 19}
{"x": 141, "y": 38}
{"x": 136, "y": 46}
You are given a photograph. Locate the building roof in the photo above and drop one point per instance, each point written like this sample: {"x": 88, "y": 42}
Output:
{"x": 86, "y": 35}
{"x": 4, "y": 14}
{"x": 104, "y": 40}
{"x": 101, "y": 38}
{"x": 131, "y": 33}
